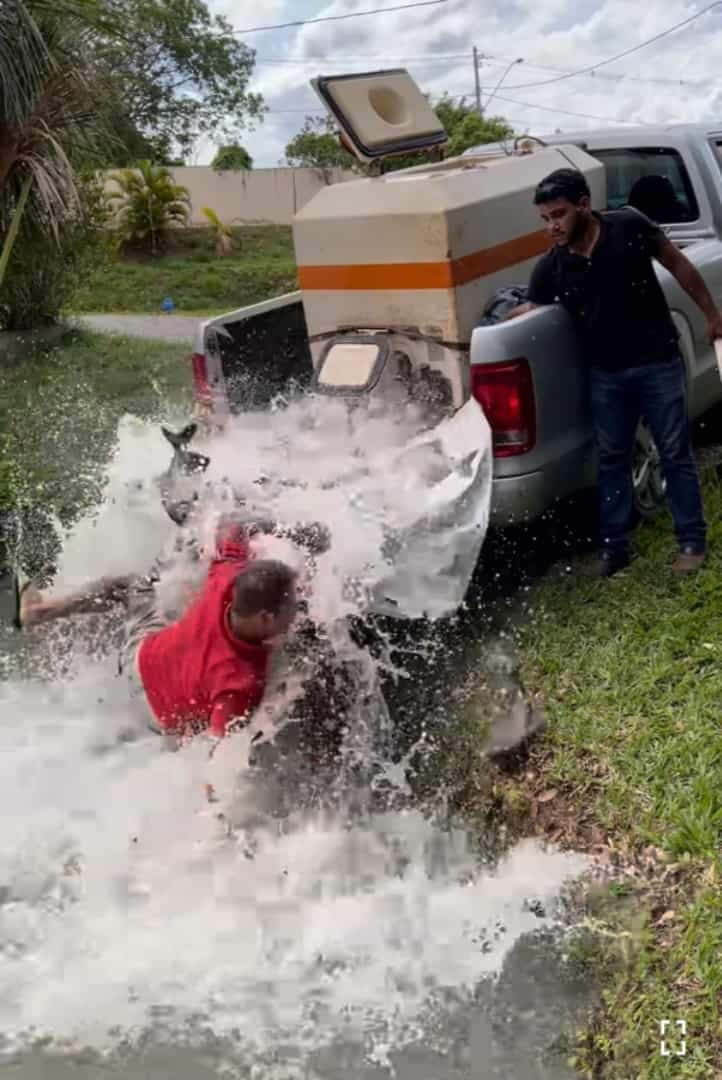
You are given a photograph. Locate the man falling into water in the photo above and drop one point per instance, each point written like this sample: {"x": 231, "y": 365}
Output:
{"x": 600, "y": 269}
{"x": 207, "y": 670}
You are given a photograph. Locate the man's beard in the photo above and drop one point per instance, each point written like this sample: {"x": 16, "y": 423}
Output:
{"x": 578, "y": 229}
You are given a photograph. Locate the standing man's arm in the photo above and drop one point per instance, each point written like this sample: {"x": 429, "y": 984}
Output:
{"x": 690, "y": 279}
{"x": 540, "y": 293}
{"x": 520, "y": 309}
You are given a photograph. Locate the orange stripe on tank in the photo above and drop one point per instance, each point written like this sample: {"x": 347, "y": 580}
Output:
{"x": 445, "y": 274}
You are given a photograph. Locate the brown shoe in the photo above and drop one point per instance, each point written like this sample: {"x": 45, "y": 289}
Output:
{"x": 689, "y": 561}
{"x": 604, "y": 565}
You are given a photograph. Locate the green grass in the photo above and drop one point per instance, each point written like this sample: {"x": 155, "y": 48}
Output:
{"x": 261, "y": 266}
{"x": 59, "y": 412}
{"x": 630, "y": 671}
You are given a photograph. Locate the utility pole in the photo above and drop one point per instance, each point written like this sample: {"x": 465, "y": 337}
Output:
{"x": 519, "y": 60}
{"x": 475, "y": 54}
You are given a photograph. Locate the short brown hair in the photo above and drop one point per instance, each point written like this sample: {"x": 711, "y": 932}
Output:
{"x": 569, "y": 184}
{"x": 264, "y": 585}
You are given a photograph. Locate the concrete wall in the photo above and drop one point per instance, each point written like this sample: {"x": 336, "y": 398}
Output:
{"x": 260, "y": 195}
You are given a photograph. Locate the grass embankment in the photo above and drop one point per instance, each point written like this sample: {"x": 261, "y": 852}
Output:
{"x": 59, "y": 412}
{"x": 630, "y": 673}
{"x": 190, "y": 272}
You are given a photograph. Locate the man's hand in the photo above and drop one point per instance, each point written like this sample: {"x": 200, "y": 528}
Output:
{"x": 714, "y": 326}
{"x": 521, "y": 309}
{"x": 690, "y": 279}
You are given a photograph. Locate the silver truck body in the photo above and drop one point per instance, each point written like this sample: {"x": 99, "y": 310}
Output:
{"x": 563, "y": 459}
{"x": 231, "y": 349}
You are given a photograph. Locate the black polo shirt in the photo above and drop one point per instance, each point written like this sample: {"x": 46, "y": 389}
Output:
{"x": 614, "y": 296}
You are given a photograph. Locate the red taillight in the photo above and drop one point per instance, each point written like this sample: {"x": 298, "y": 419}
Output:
{"x": 201, "y": 385}
{"x": 506, "y": 394}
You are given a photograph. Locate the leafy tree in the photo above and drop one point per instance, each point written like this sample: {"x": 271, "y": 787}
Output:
{"x": 466, "y": 128}
{"x": 317, "y": 146}
{"x": 232, "y": 158}
{"x": 317, "y": 143}
{"x": 170, "y": 72}
{"x": 147, "y": 204}
{"x": 128, "y": 145}
{"x": 49, "y": 121}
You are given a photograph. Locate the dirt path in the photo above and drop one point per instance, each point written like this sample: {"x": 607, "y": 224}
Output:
{"x": 158, "y": 327}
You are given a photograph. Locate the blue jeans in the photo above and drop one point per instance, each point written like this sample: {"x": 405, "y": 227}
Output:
{"x": 658, "y": 393}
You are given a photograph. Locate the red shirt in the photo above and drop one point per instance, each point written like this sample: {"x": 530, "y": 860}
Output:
{"x": 196, "y": 670}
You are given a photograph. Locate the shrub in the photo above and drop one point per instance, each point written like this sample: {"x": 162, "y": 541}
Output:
{"x": 46, "y": 265}
{"x": 222, "y": 232}
{"x": 147, "y": 204}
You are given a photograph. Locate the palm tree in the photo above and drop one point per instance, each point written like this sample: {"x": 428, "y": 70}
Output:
{"x": 223, "y": 232}
{"x": 48, "y": 118}
{"x": 148, "y": 202}
{"x": 23, "y": 63}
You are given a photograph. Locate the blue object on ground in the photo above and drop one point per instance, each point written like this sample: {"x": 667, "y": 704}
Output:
{"x": 168, "y": 304}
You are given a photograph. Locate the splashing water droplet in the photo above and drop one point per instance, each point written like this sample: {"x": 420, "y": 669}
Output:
{"x": 130, "y": 903}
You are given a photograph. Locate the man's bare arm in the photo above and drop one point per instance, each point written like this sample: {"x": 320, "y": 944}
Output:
{"x": 521, "y": 309}
{"x": 690, "y": 279}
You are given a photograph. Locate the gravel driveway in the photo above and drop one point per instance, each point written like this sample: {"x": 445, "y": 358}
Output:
{"x": 159, "y": 327}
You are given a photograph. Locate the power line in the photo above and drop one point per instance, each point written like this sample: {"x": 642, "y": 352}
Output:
{"x": 565, "y": 112}
{"x": 512, "y": 101}
{"x": 499, "y": 62}
{"x": 626, "y": 52}
{"x": 336, "y": 18}
{"x": 618, "y": 76}
{"x": 440, "y": 59}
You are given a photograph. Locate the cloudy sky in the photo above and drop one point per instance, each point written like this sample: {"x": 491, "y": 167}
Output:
{"x": 677, "y": 78}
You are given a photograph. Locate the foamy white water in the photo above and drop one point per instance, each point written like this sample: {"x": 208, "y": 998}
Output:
{"x": 127, "y": 904}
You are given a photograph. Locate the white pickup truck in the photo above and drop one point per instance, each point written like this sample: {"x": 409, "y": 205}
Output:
{"x": 242, "y": 358}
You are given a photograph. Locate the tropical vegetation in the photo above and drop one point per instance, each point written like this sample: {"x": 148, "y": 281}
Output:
{"x": 147, "y": 202}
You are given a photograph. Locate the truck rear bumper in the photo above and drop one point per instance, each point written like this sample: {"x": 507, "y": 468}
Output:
{"x": 516, "y": 500}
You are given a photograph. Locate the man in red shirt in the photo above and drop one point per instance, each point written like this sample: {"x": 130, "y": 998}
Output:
{"x": 207, "y": 669}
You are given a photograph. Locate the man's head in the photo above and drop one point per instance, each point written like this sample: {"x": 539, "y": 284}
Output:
{"x": 565, "y": 204}
{"x": 264, "y": 600}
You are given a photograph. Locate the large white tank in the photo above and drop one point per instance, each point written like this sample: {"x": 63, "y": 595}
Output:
{"x": 426, "y": 248}
{"x": 420, "y": 251}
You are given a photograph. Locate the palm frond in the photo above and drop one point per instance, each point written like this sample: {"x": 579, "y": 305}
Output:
{"x": 51, "y": 108}
{"x": 212, "y": 216}
{"x": 221, "y": 228}
{"x": 24, "y": 63}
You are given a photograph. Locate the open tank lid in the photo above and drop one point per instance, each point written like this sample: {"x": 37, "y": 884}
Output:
{"x": 380, "y": 113}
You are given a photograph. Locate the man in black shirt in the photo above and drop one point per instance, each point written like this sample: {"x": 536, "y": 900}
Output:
{"x": 600, "y": 269}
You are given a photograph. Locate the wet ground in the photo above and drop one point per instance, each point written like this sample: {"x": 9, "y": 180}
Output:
{"x": 502, "y": 1032}
{"x": 323, "y": 950}
{"x": 158, "y": 327}
{"x": 473, "y": 1026}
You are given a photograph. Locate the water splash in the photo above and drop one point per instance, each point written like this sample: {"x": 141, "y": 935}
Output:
{"x": 128, "y": 904}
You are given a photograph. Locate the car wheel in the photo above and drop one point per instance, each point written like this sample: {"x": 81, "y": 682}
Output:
{"x": 649, "y": 484}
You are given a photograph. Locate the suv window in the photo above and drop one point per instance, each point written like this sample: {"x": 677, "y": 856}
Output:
{"x": 652, "y": 179}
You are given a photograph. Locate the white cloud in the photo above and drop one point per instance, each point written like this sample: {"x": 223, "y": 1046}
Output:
{"x": 676, "y": 79}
